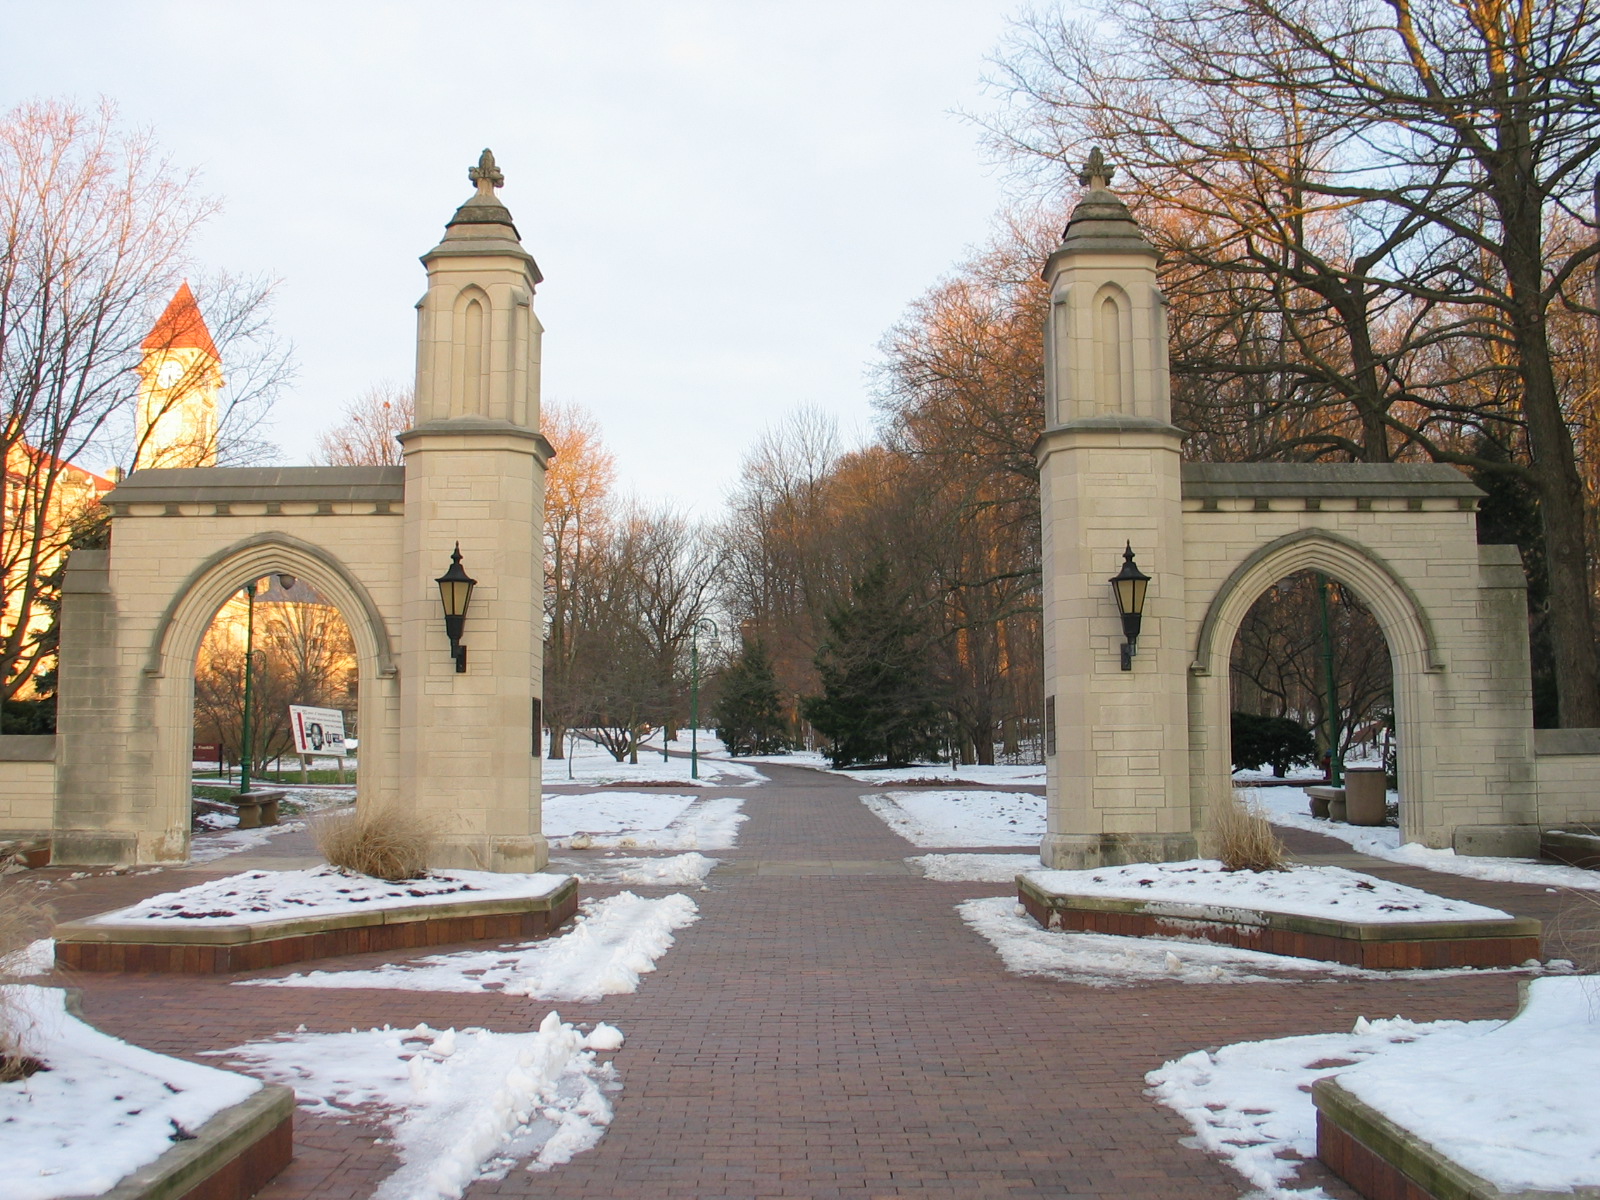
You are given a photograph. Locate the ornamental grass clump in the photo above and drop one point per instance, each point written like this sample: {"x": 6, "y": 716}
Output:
{"x": 22, "y": 919}
{"x": 386, "y": 843}
{"x": 1245, "y": 838}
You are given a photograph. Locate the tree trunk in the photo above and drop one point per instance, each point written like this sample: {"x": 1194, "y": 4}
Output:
{"x": 558, "y": 741}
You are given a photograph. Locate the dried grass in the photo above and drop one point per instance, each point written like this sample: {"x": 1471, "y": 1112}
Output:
{"x": 1575, "y": 933}
{"x": 386, "y": 843}
{"x": 22, "y": 919}
{"x": 1245, "y": 839}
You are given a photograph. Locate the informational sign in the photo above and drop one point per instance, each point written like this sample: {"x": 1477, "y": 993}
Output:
{"x": 317, "y": 730}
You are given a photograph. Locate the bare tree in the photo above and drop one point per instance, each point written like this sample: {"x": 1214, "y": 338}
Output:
{"x": 368, "y": 426}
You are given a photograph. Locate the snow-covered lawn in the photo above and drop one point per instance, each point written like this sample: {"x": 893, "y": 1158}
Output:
{"x": 1103, "y": 960}
{"x": 256, "y": 896}
{"x": 1203, "y": 888}
{"x": 1288, "y": 806}
{"x": 1509, "y": 1101}
{"x": 998, "y": 775}
{"x": 974, "y": 868}
{"x": 592, "y": 765}
{"x": 102, "y": 1109}
{"x": 613, "y": 942}
{"x": 462, "y": 1105}
{"x": 937, "y": 818}
{"x": 642, "y": 821}
{"x": 678, "y": 870}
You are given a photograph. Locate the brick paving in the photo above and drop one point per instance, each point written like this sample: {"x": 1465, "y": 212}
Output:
{"x": 829, "y": 1028}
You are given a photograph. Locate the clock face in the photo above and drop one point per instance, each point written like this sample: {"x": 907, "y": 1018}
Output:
{"x": 169, "y": 374}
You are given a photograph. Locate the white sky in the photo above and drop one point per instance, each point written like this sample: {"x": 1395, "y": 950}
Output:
{"x": 731, "y": 201}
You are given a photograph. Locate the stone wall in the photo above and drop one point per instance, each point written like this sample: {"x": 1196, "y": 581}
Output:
{"x": 1567, "y": 762}
{"x": 27, "y": 785}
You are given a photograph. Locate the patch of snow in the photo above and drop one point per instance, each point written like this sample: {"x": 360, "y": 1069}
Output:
{"x": 208, "y": 847}
{"x": 1103, "y": 960}
{"x": 974, "y": 868}
{"x": 937, "y": 818}
{"x": 1514, "y": 1105}
{"x": 680, "y": 870}
{"x": 642, "y": 821}
{"x": 1202, "y": 888}
{"x": 613, "y": 942}
{"x": 257, "y": 896}
{"x": 463, "y": 1105}
{"x": 593, "y": 765}
{"x": 1250, "y": 1103}
{"x": 1289, "y": 807}
{"x": 38, "y": 957}
{"x": 998, "y": 773}
{"x": 102, "y": 1110}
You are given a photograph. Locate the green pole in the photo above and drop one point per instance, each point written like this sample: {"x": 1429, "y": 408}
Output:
{"x": 1335, "y": 765}
{"x": 247, "y": 747}
{"x": 694, "y": 703}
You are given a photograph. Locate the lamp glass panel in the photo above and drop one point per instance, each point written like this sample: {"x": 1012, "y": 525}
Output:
{"x": 454, "y": 594}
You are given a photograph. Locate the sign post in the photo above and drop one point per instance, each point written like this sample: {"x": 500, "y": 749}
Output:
{"x": 318, "y": 733}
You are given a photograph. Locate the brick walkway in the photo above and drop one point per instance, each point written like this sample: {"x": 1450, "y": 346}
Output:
{"x": 829, "y": 1028}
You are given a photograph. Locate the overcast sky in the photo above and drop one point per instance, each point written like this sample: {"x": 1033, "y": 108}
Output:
{"x": 730, "y": 201}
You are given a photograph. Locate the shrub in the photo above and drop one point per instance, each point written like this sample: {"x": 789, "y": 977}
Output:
{"x": 1276, "y": 740}
{"x": 386, "y": 843}
{"x": 1245, "y": 839}
{"x": 22, "y": 919}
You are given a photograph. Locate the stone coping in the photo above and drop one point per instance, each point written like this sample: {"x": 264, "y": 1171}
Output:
{"x": 1215, "y": 481}
{"x": 243, "y": 485}
{"x": 98, "y": 930}
{"x": 1367, "y": 1149}
{"x": 1572, "y": 847}
{"x": 1557, "y": 742}
{"x": 27, "y": 747}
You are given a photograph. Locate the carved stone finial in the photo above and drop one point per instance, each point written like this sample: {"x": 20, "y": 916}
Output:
{"x": 1096, "y": 172}
{"x": 486, "y": 175}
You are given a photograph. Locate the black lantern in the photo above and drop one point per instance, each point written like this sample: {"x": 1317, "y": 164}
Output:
{"x": 1129, "y": 586}
{"x": 455, "y": 593}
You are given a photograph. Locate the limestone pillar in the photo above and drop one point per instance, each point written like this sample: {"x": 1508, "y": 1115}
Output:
{"x": 475, "y": 464}
{"x": 1117, "y": 787}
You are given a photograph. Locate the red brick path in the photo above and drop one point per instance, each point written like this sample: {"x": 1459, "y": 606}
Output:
{"x": 829, "y": 1028}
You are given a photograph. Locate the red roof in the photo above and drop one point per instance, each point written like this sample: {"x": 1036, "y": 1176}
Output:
{"x": 181, "y": 326}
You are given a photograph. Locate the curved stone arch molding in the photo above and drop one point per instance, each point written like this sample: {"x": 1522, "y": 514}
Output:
{"x": 1375, "y": 582}
{"x": 214, "y": 580}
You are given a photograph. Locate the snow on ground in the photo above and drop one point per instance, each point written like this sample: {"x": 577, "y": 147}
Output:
{"x": 613, "y": 942}
{"x": 1000, "y": 774}
{"x": 257, "y": 896}
{"x": 680, "y": 870}
{"x": 462, "y": 1106}
{"x": 1101, "y": 960}
{"x": 974, "y": 868}
{"x": 937, "y": 818}
{"x": 38, "y": 957}
{"x": 1288, "y": 806}
{"x": 592, "y": 765}
{"x": 1514, "y": 1105}
{"x": 1250, "y": 1103}
{"x": 208, "y": 847}
{"x": 103, "y": 1109}
{"x": 642, "y": 821}
{"x": 1203, "y": 888}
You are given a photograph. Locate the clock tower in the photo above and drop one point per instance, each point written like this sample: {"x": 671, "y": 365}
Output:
{"x": 179, "y": 378}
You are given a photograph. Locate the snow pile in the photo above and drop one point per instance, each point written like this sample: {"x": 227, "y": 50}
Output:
{"x": 593, "y": 765}
{"x": 1250, "y": 1103}
{"x": 102, "y": 1109}
{"x": 208, "y": 847}
{"x": 1201, "y": 887}
{"x": 642, "y": 821}
{"x": 680, "y": 870}
{"x": 257, "y": 896}
{"x": 974, "y": 868}
{"x": 613, "y": 942}
{"x": 38, "y": 957}
{"x": 464, "y": 1105}
{"x": 1515, "y": 1105}
{"x": 938, "y": 818}
{"x": 1288, "y": 806}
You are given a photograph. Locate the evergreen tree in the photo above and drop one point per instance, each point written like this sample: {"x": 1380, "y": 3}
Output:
{"x": 879, "y": 701}
{"x": 748, "y": 713}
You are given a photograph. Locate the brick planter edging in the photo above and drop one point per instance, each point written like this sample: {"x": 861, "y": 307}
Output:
{"x": 216, "y": 948}
{"x": 1386, "y": 946}
{"x": 1383, "y": 1161}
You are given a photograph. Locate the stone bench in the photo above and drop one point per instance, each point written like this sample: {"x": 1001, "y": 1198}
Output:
{"x": 257, "y": 807}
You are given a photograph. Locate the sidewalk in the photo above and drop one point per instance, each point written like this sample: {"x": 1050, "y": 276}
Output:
{"x": 830, "y": 1028}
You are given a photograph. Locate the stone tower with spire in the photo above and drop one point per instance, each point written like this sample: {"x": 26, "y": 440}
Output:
{"x": 474, "y": 485}
{"x": 180, "y": 374}
{"x": 1109, "y": 465}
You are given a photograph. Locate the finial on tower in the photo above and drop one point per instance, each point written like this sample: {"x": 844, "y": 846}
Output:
{"x": 486, "y": 175}
{"x": 1096, "y": 171}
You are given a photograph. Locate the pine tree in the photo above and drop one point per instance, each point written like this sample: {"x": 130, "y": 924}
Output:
{"x": 748, "y": 713}
{"x": 879, "y": 702}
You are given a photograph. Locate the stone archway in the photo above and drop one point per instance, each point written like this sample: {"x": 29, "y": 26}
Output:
{"x": 167, "y": 676}
{"x": 1413, "y": 654}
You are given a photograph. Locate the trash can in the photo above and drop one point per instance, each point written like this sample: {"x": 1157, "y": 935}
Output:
{"x": 1365, "y": 795}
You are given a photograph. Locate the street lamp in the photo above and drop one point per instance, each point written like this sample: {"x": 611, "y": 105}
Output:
{"x": 1129, "y": 586}
{"x": 247, "y": 733}
{"x": 710, "y": 627}
{"x": 455, "y": 593}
